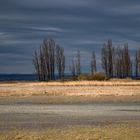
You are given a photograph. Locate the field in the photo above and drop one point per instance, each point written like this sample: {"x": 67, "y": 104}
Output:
{"x": 74, "y": 92}
{"x": 93, "y": 88}
{"x": 82, "y": 110}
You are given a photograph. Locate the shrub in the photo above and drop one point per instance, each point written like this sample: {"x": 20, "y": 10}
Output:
{"x": 83, "y": 77}
{"x": 97, "y": 76}
{"x": 74, "y": 78}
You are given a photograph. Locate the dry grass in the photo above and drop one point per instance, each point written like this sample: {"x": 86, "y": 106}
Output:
{"x": 51, "y": 99}
{"x": 112, "y": 82}
{"x": 72, "y": 88}
{"x": 110, "y": 132}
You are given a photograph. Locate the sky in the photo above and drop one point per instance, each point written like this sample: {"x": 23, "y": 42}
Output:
{"x": 73, "y": 24}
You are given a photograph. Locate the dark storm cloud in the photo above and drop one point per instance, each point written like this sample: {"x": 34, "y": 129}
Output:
{"x": 83, "y": 24}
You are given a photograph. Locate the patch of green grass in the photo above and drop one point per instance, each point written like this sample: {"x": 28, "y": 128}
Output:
{"x": 110, "y": 132}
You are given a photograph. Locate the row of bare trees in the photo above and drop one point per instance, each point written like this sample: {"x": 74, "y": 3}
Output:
{"x": 116, "y": 61}
{"x": 75, "y": 66}
{"x": 47, "y": 58}
{"x": 122, "y": 62}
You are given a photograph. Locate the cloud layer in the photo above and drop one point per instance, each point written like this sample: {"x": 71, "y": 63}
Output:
{"x": 83, "y": 24}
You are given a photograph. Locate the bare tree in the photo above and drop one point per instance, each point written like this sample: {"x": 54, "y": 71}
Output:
{"x": 72, "y": 68}
{"x": 118, "y": 62}
{"x": 75, "y": 67}
{"x": 110, "y": 58}
{"x": 49, "y": 55}
{"x": 78, "y": 63}
{"x": 93, "y": 63}
{"x": 107, "y": 58}
{"x": 39, "y": 64}
{"x": 60, "y": 61}
{"x": 127, "y": 65}
{"x": 104, "y": 59}
{"x": 137, "y": 62}
{"x": 44, "y": 60}
{"x": 42, "y": 65}
{"x": 122, "y": 62}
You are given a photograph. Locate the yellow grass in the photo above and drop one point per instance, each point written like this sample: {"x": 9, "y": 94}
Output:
{"x": 110, "y": 132}
{"x": 70, "y": 88}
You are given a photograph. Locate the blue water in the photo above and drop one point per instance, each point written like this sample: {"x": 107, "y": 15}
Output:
{"x": 23, "y": 77}
{"x": 18, "y": 77}
{"x": 32, "y": 77}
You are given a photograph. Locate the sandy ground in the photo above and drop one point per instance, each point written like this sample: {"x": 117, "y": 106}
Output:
{"x": 37, "y": 117}
{"x": 127, "y": 131}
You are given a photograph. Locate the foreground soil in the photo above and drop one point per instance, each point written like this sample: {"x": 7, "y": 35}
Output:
{"x": 126, "y": 131}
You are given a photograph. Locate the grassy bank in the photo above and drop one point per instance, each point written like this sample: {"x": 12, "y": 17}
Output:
{"x": 110, "y": 132}
{"x": 78, "y": 88}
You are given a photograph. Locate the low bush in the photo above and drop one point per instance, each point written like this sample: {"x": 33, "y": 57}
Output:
{"x": 97, "y": 76}
{"x": 74, "y": 78}
{"x": 83, "y": 77}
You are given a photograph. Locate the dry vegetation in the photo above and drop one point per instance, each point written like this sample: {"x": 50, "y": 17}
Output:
{"x": 110, "y": 132}
{"x": 73, "y": 92}
{"x": 80, "y": 88}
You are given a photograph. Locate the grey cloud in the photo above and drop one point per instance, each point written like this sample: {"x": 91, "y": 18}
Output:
{"x": 86, "y": 42}
{"x": 51, "y": 3}
{"x": 83, "y": 24}
{"x": 14, "y": 63}
{"x": 48, "y": 29}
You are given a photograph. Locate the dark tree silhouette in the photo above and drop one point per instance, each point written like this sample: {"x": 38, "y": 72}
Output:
{"x": 48, "y": 48}
{"x": 116, "y": 61}
{"x": 78, "y": 63}
{"x": 122, "y": 62}
{"x": 72, "y": 68}
{"x": 42, "y": 65}
{"x": 36, "y": 63}
{"x": 137, "y": 62}
{"x": 127, "y": 65}
{"x": 93, "y": 63}
{"x": 107, "y": 58}
{"x": 44, "y": 60}
{"x": 60, "y": 61}
{"x": 39, "y": 64}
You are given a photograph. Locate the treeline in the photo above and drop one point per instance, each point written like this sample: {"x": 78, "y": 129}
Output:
{"x": 116, "y": 61}
{"x": 49, "y": 57}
